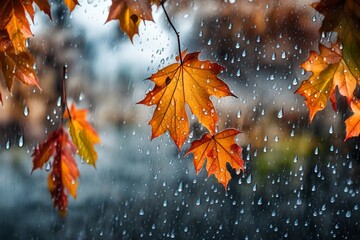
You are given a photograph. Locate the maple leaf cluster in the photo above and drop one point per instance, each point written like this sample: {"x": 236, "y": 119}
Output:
{"x": 337, "y": 66}
{"x": 189, "y": 81}
{"x": 193, "y": 81}
{"x": 15, "y": 60}
{"x": 63, "y": 178}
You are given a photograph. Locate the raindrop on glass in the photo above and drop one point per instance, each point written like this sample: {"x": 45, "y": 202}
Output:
{"x": 295, "y": 81}
{"x": 81, "y": 96}
{"x": 248, "y": 179}
{"x": 273, "y": 56}
{"x": 26, "y": 111}
{"x": 180, "y": 187}
{"x": 58, "y": 102}
{"x": 7, "y": 145}
{"x": 21, "y": 141}
{"x": 316, "y": 151}
{"x": 348, "y": 214}
{"x": 141, "y": 213}
{"x": 238, "y": 114}
{"x": 48, "y": 166}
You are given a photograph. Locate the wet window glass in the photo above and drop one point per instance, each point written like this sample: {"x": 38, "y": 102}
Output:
{"x": 300, "y": 178}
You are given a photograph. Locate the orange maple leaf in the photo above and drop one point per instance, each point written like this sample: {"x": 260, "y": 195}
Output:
{"x": 83, "y": 134}
{"x": 13, "y": 19}
{"x": 64, "y": 175}
{"x": 353, "y": 122}
{"x": 14, "y": 65}
{"x": 192, "y": 82}
{"x": 71, "y": 4}
{"x": 329, "y": 70}
{"x": 130, "y": 13}
{"x": 218, "y": 150}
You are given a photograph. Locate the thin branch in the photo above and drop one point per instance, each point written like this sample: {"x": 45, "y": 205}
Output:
{"x": 176, "y": 32}
{"x": 64, "y": 105}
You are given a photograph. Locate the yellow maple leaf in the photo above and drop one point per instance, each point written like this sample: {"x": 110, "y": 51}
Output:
{"x": 83, "y": 134}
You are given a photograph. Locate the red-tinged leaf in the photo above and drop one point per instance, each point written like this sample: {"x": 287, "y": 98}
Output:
{"x": 63, "y": 178}
{"x": 218, "y": 150}
{"x": 329, "y": 70}
{"x": 71, "y": 4}
{"x": 353, "y": 122}
{"x": 44, "y": 151}
{"x": 130, "y": 13}
{"x": 13, "y": 65}
{"x": 83, "y": 134}
{"x": 44, "y": 6}
{"x": 193, "y": 83}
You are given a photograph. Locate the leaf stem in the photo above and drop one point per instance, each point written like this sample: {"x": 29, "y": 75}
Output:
{"x": 176, "y": 32}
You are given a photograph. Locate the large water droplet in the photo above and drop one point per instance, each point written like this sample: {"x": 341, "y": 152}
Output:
{"x": 81, "y": 96}
{"x": 21, "y": 141}
{"x": 26, "y": 111}
{"x": 273, "y": 56}
{"x": 7, "y": 145}
{"x": 48, "y": 166}
{"x": 238, "y": 114}
{"x": 348, "y": 214}
{"x": 248, "y": 179}
{"x": 141, "y": 212}
{"x": 58, "y": 102}
{"x": 180, "y": 187}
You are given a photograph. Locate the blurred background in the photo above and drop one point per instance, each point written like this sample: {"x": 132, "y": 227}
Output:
{"x": 301, "y": 180}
